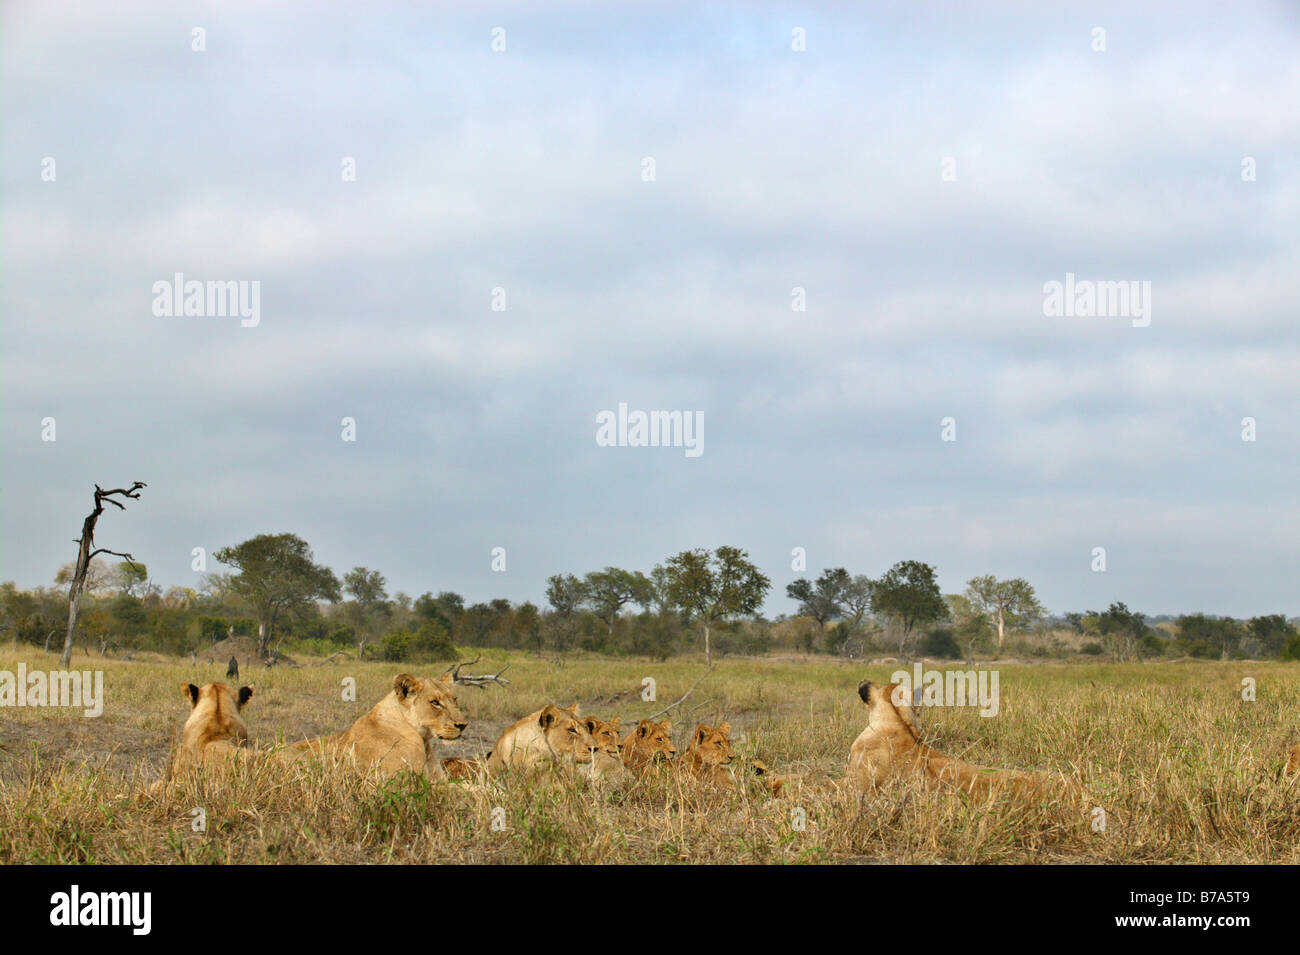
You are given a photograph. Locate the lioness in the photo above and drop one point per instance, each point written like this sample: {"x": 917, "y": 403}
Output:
{"x": 890, "y": 746}
{"x": 547, "y": 737}
{"x": 214, "y": 730}
{"x": 400, "y": 730}
{"x": 649, "y": 743}
{"x": 708, "y": 753}
{"x": 1292, "y": 761}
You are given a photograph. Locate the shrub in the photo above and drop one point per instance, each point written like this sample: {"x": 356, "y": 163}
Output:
{"x": 940, "y": 643}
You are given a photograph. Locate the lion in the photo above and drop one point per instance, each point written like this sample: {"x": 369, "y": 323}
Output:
{"x": 1292, "y": 761}
{"x": 607, "y": 758}
{"x": 214, "y": 731}
{"x": 890, "y": 747}
{"x": 542, "y": 739}
{"x": 708, "y": 754}
{"x": 400, "y": 730}
{"x": 648, "y": 744}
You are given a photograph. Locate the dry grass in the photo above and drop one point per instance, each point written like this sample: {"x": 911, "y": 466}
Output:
{"x": 1185, "y": 768}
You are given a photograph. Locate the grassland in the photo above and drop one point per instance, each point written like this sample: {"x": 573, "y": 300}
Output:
{"x": 1185, "y": 768}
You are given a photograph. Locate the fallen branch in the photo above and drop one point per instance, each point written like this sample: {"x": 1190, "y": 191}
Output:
{"x": 681, "y": 699}
{"x": 480, "y": 680}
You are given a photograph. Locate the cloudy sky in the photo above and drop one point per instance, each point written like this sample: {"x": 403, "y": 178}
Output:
{"x": 920, "y": 171}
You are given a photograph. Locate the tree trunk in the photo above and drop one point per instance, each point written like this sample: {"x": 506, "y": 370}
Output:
{"x": 261, "y": 639}
{"x": 85, "y": 555}
{"x": 74, "y": 600}
{"x": 1001, "y": 630}
{"x": 708, "y": 655}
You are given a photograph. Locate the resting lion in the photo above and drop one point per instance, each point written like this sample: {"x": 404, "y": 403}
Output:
{"x": 890, "y": 747}
{"x": 648, "y": 744}
{"x": 400, "y": 730}
{"x": 708, "y": 753}
{"x": 542, "y": 739}
{"x": 606, "y": 758}
{"x": 214, "y": 731}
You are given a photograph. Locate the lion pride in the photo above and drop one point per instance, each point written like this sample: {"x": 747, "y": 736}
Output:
{"x": 550, "y": 736}
{"x": 214, "y": 730}
{"x": 890, "y": 747}
{"x": 399, "y": 732}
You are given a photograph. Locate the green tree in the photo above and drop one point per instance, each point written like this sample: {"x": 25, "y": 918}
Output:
{"x": 608, "y": 591}
{"x": 370, "y": 606}
{"x": 1121, "y": 631}
{"x": 277, "y": 575}
{"x": 824, "y": 600}
{"x": 1007, "y": 603}
{"x": 1270, "y": 633}
{"x": 909, "y": 594}
{"x": 715, "y": 587}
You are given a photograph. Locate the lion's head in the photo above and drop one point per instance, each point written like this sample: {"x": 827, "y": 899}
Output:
{"x": 711, "y": 745}
{"x": 888, "y": 705}
{"x": 651, "y": 741}
{"x": 214, "y": 711}
{"x": 604, "y": 734}
{"x": 565, "y": 732}
{"x": 430, "y": 705}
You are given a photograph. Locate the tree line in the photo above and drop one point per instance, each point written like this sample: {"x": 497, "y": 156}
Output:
{"x": 279, "y": 597}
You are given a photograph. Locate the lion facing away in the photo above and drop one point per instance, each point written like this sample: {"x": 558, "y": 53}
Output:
{"x": 708, "y": 754}
{"x": 550, "y": 736}
{"x": 648, "y": 744}
{"x": 890, "y": 747}
{"x": 399, "y": 732}
{"x": 214, "y": 731}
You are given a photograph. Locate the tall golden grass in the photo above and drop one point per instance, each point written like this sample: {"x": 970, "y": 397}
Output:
{"x": 1184, "y": 768}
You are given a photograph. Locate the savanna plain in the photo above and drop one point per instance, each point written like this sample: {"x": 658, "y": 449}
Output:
{"x": 1184, "y": 765}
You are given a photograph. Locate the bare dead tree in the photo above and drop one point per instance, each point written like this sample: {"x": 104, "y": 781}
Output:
{"x": 480, "y": 680}
{"x": 87, "y": 552}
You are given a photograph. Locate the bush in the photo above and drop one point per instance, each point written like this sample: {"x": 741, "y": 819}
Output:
{"x": 1093, "y": 649}
{"x": 396, "y": 645}
{"x": 940, "y": 643}
{"x": 1291, "y": 649}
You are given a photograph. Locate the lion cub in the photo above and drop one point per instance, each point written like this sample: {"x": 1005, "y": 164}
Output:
{"x": 400, "y": 730}
{"x": 606, "y": 758}
{"x": 214, "y": 731}
{"x": 890, "y": 746}
{"x": 648, "y": 744}
{"x": 707, "y": 755}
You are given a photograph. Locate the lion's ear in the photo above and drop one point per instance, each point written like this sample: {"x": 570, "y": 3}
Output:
{"x": 864, "y": 691}
{"x": 665, "y": 727}
{"x": 701, "y": 732}
{"x": 614, "y": 723}
{"x": 572, "y": 709}
{"x": 548, "y": 716}
{"x": 190, "y": 692}
{"x": 725, "y": 728}
{"x": 448, "y": 679}
{"x": 591, "y": 724}
{"x": 643, "y": 728}
{"x": 405, "y": 684}
{"x": 245, "y": 694}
